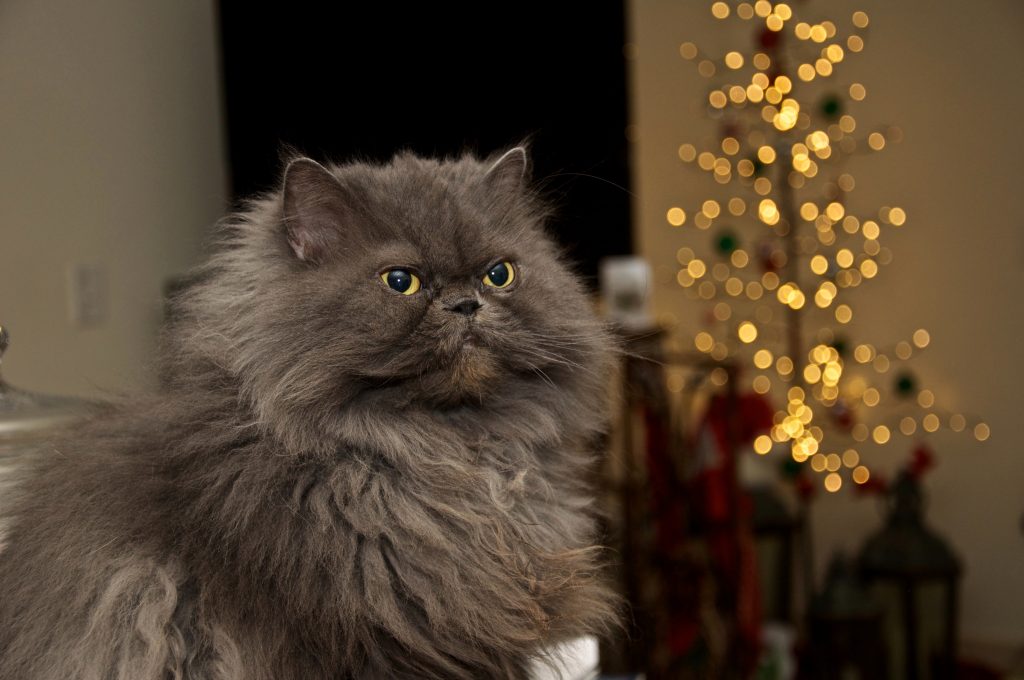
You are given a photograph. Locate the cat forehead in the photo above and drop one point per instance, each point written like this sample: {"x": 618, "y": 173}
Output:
{"x": 443, "y": 210}
{"x": 443, "y": 243}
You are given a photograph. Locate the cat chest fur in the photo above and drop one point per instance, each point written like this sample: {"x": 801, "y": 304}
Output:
{"x": 487, "y": 550}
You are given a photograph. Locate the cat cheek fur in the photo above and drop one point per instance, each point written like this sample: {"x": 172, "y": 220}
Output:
{"x": 335, "y": 481}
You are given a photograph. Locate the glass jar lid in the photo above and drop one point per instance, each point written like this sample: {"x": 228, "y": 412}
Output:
{"x": 25, "y": 414}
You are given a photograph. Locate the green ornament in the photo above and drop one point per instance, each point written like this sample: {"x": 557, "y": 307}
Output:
{"x": 758, "y": 166}
{"x": 840, "y": 346}
{"x": 726, "y": 242}
{"x": 906, "y": 384}
{"x": 832, "y": 106}
{"x": 790, "y": 468}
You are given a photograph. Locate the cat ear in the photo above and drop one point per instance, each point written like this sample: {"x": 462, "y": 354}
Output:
{"x": 510, "y": 170}
{"x": 317, "y": 208}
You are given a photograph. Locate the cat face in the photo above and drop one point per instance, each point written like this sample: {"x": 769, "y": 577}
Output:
{"x": 415, "y": 284}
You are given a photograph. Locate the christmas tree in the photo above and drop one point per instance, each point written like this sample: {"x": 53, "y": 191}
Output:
{"x": 775, "y": 251}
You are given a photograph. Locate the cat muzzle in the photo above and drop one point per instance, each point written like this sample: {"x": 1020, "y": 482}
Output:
{"x": 465, "y": 306}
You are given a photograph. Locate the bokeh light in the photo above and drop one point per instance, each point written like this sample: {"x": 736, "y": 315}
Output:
{"x": 781, "y": 154}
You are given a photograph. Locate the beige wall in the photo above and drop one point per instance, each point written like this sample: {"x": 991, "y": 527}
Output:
{"x": 111, "y": 154}
{"x": 949, "y": 73}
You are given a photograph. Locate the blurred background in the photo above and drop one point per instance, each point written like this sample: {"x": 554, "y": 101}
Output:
{"x": 128, "y": 129}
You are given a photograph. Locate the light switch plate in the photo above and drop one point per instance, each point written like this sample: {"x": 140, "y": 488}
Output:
{"x": 87, "y": 294}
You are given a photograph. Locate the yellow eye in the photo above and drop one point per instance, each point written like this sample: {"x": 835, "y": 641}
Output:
{"x": 500, "y": 275}
{"x": 402, "y": 280}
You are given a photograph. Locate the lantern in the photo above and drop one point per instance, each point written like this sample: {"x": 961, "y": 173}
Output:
{"x": 914, "y": 576}
{"x": 775, "y": 536}
{"x": 845, "y": 640}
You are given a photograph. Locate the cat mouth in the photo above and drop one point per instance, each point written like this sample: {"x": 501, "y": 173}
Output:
{"x": 470, "y": 337}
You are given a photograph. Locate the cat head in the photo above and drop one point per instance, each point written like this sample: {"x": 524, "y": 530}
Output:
{"x": 418, "y": 285}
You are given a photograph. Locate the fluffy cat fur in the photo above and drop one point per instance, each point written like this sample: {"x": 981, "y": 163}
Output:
{"x": 336, "y": 480}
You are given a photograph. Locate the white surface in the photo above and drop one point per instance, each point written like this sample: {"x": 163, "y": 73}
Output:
{"x": 575, "y": 660}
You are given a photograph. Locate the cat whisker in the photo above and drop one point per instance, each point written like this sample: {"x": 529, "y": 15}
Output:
{"x": 544, "y": 376}
{"x": 556, "y": 359}
{"x": 615, "y": 350}
{"x": 599, "y": 179}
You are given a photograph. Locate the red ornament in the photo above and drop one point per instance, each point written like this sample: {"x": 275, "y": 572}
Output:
{"x": 922, "y": 460}
{"x": 842, "y": 415}
{"x": 770, "y": 39}
{"x": 805, "y": 488}
{"x": 731, "y": 129}
{"x": 874, "y": 485}
{"x": 765, "y": 252}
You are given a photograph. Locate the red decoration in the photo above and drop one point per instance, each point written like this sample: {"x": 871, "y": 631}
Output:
{"x": 770, "y": 39}
{"x": 805, "y": 488}
{"x": 874, "y": 485}
{"x": 842, "y": 415}
{"x": 765, "y": 251}
{"x": 922, "y": 460}
{"x": 724, "y": 516}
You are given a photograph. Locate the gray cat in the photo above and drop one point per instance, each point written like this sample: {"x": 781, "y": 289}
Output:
{"x": 369, "y": 458}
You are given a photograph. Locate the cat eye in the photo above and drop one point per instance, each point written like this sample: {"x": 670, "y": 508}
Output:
{"x": 401, "y": 280}
{"x": 500, "y": 275}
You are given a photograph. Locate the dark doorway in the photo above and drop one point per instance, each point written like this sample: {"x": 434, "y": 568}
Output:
{"x": 341, "y": 80}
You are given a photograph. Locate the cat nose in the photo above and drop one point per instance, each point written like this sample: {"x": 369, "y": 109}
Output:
{"x": 465, "y": 306}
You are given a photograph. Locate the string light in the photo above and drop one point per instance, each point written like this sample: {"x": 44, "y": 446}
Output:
{"x": 676, "y": 216}
{"x": 981, "y": 432}
{"x": 817, "y": 248}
